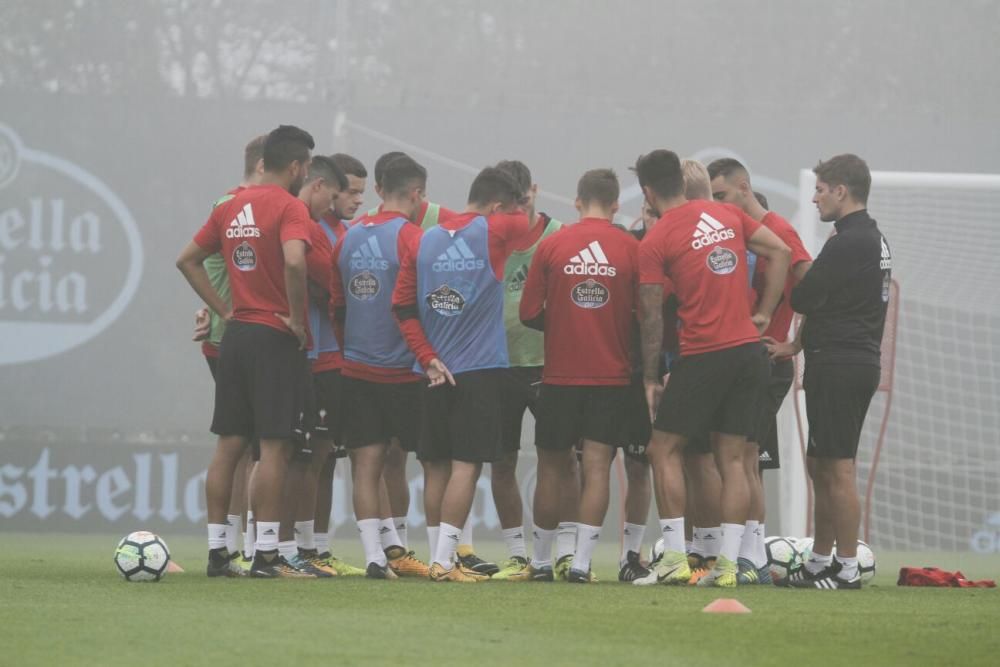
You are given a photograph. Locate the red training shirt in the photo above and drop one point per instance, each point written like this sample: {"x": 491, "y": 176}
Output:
{"x": 781, "y": 320}
{"x": 583, "y": 281}
{"x": 701, "y": 247}
{"x": 504, "y": 232}
{"x": 249, "y": 231}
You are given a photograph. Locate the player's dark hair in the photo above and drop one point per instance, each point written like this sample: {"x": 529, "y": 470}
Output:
{"x": 726, "y": 167}
{"x": 598, "y": 185}
{"x": 252, "y": 155}
{"x": 350, "y": 165}
{"x": 492, "y": 186}
{"x": 382, "y": 161}
{"x": 761, "y": 199}
{"x": 848, "y": 170}
{"x": 325, "y": 168}
{"x": 286, "y": 144}
{"x": 519, "y": 172}
{"x": 660, "y": 171}
{"x": 401, "y": 174}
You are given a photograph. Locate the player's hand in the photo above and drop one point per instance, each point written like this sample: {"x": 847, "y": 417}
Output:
{"x": 202, "y": 325}
{"x": 761, "y": 321}
{"x": 654, "y": 390}
{"x": 297, "y": 327}
{"x": 778, "y": 350}
{"x": 438, "y": 373}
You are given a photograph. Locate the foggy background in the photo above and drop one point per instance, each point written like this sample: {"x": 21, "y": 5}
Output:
{"x": 156, "y": 100}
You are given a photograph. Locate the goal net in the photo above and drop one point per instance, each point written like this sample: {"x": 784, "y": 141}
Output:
{"x": 936, "y": 485}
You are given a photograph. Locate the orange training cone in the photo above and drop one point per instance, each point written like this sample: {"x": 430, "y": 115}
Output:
{"x": 172, "y": 566}
{"x": 726, "y": 606}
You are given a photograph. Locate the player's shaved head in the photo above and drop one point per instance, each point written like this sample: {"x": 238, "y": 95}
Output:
{"x": 252, "y": 155}
{"x": 326, "y": 169}
{"x": 381, "y": 163}
{"x": 402, "y": 174}
{"x": 494, "y": 186}
{"x": 598, "y": 186}
{"x": 660, "y": 171}
{"x": 697, "y": 184}
{"x": 727, "y": 167}
{"x": 518, "y": 171}
{"x": 284, "y": 145}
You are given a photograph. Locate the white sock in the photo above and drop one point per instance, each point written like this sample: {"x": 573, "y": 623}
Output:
{"x": 466, "y": 539}
{"x": 448, "y": 538}
{"x": 400, "y": 522}
{"x": 541, "y": 547}
{"x": 748, "y": 544}
{"x": 565, "y": 539}
{"x": 233, "y": 532}
{"x": 732, "y": 536}
{"x": 217, "y": 536}
{"x": 250, "y": 536}
{"x": 848, "y": 568}
{"x": 370, "y": 540}
{"x": 587, "y": 538}
{"x": 388, "y": 535}
{"x": 432, "y": 539}
{"x": 305, "y": 538}
{"x": 759, "y": 550}
{"x": 818, "y": 562}
{"x": 322, "y": 541}
{"x": 267, "y": 536}
{"x": 711, "y": 541}
{"x": 698, "y": 540}
{"x": 631, "y": 540}
{"x": 689, "y": 546}
{"x": 288, "y": 549}
{"x": 673, "y": 534}
{"x": 514, "y": 537}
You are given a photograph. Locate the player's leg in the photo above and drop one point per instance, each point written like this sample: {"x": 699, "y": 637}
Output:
{"x": 436, "y": 474}
{"x": 729, "y": 451}
{"x": 594, "y": 501}
{"x": 707, "y": 495}
{"x": 237, "y": 506}
{"x": 637, "y": 501}
{"x": 750, "y": 562}
{"x": 398, "y": 489}
{"x": 665, "y": 453}
{"x": 569, "y": 511}
{"x": 367, "y": 463}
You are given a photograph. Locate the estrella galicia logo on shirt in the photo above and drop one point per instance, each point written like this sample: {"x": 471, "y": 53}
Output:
{"x": 243, "y": 225}
{"x": 71, "y": 255}
{"x": 364, "y": 286}
{"x": 446, "y": 301}
{"x": 245, "y": 257}
{"x": 458, "y": 257}
{"x": 722, "y": 261}
{"x": 590, "y": 294}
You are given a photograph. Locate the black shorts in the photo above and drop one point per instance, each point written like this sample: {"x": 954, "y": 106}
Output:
{"x": 213, "y": 367}
{"x": 714, "y": 392}
{"x": 329, "y": 391}
{"x": 636, "y": 427}
{"x": 837, "y": 400}
{"x": 766, "y": 431}
{"x": 569, "y": 413}
{"x": 463, "y": 423}
{"x": 264, "y": 387}
{"x": 378, "y": 411}
{"x": 519, "y": 389}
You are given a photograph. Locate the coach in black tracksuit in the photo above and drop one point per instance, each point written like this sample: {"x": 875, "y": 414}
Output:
{"x": 844, "y": 297}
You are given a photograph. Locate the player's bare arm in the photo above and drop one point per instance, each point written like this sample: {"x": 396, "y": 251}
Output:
{"x": 294, "y": 252}
{"x": 766, "y": 244}
{"x": 651, "y": 331}
{"x": 190, "y": 264}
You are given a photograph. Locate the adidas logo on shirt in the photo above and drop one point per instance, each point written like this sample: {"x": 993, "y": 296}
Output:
{"x": 709, "y": 231}
{"x": 243, "y": 225}
{"x": 369, "y": 256}
{"x": 458, "y": 257}
{"x": 591, "y": 261}
{"x": 886, "y": 262}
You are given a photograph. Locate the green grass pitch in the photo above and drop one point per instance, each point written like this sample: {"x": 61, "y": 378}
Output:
{"x": 62, "y": 603}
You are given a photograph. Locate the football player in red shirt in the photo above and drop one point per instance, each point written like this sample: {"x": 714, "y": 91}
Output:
{"x": 581, "y": 286}
{"x": 731, "y": 185}
{"x": 714, "y": 387}
{"x": 263, "y": 384}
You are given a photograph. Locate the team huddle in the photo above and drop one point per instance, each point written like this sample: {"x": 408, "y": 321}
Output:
{"x": 412, "y": 328}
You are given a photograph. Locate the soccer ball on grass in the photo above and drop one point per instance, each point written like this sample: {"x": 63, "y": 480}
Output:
{"x": 782, "y": 558}
{"x": 142, "y": 556}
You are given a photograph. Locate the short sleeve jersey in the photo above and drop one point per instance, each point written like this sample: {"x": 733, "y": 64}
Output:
{"x": 701, "y": 247}
{"x": 781, "y": 320}
{"x": 249, "y": 231}
{"x": 584, "y": 279}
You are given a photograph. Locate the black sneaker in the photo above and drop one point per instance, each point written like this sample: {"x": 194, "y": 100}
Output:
{"x": 223, "y": 564}
{"x": 272, "y": 565}
{"x": 473, "y": 562}
{"x": 801, "y": 577}
{"x": 575, "y": 576}
{"x": 834, "y": 582}
{"x": 376, "y": 571}
{"x": 633, "y": 568}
